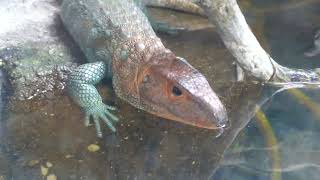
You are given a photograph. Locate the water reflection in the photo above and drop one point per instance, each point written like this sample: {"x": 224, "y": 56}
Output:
{"x": 296, "y": 130}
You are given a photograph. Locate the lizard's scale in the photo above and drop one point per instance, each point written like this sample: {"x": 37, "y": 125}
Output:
{"x": 84, "y": 91}
{"x": 98, "y": 31}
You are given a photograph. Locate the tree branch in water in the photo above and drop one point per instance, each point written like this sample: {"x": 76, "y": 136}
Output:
{"x": 243, "y": 45}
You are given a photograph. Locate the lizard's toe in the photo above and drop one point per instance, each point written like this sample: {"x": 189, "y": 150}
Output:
{"x": 97, "y": 124}
{"x": 87, "y": 120}
{"x": 108, "y": 122}
{"x": 101, "y": 112}
{"x": 111, "y": 116}
{"x": 112, "y": 108}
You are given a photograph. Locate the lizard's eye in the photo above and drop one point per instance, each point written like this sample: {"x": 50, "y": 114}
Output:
{"x": 176, "y": 91}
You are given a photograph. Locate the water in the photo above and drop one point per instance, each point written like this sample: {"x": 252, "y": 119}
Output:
{"x": 147, "y": 147}
{"x": 297, "y": 131}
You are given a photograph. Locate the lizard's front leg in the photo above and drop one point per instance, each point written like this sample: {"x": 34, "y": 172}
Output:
{"x": 81, "y": 89}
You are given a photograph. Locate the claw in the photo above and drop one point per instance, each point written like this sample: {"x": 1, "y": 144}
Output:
{"x": 101, "y": 112}
{"x": 87, "y": 121}
{"x": 97, "y": 124}
{"x": 111, "y": 116}
{"x": 107, "y": 121}
{"x": 112, "y": 108}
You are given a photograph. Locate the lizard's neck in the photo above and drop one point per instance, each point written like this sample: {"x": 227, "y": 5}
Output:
{"x": 130, "y": 59}
{"x": 137, "y": 50}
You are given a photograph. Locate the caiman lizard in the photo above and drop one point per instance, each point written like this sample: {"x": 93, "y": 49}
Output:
{"x": 119, "y": 42}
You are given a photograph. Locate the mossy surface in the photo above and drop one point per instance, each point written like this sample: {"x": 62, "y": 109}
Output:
{"x": 36, "y": 70}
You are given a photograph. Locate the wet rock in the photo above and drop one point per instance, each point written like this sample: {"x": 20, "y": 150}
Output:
{"x": 34, "y": 72}
{"x": 35, "y": 49}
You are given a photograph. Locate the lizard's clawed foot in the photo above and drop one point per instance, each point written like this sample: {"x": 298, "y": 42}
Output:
{"x": 101, "y": 112}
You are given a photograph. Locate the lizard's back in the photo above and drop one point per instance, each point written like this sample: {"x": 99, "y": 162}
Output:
{"x": 104, "y": 25}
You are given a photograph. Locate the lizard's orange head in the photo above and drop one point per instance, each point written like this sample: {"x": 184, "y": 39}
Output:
{"x": 173, "y": 89}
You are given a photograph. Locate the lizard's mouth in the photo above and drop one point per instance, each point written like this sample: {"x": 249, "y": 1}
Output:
{"x": 200, "y": 123}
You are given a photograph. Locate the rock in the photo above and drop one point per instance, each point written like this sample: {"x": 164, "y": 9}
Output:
{"x": 33, "y": 72}
{"x": 36, "y": 51}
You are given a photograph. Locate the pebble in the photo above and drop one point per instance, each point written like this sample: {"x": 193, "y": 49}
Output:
{"x": 93, "y": 148}
{"x": 68, "y": 156}
{"x": 51, "y": 177}
{"x": 44, "y": 170}
{"x": 49, "y": 164}
{"x": 33, "y": 163}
